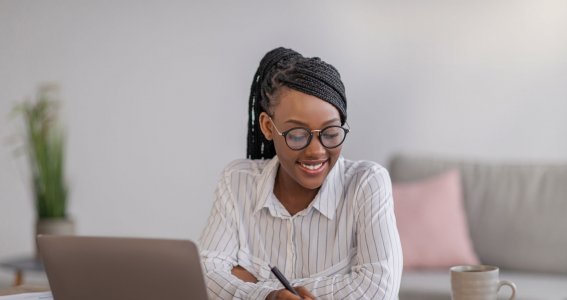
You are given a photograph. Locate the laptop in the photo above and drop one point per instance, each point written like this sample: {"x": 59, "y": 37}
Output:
{"x": 113, "y": 268}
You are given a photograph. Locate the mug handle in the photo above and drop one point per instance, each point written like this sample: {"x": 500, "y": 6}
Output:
{"x": 511, "y": 285}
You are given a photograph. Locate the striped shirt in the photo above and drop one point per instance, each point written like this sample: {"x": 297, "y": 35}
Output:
{"x": 344, "y": 245}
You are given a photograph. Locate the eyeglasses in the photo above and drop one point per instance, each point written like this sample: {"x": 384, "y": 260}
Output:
{"x": 298, "y": 138}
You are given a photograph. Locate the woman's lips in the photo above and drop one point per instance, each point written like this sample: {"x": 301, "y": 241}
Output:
{"x": 312, "y": 167}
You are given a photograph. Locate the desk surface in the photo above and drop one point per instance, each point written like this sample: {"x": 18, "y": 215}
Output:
{"x": 23, "y": 289}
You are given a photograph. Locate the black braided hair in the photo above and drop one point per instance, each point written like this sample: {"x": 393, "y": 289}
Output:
{"x": 286, "y": 67}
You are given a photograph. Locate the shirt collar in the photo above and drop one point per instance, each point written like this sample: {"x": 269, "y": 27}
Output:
{"x": 326, "y": 200}
{"x": 265, "y": 185}
{"x": 331, "y": 191}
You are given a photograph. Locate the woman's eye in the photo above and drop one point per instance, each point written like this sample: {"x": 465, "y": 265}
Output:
{"x": 296, "y": 138}
{"x": 330, "y": 135}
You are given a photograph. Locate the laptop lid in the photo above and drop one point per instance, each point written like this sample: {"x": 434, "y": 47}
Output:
{"x": 110, "y": 268}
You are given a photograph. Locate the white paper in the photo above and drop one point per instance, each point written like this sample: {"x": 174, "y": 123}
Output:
{"x": 29, "y": 296}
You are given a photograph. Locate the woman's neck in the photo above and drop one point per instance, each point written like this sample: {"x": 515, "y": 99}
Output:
{"x": 292, "y": 195}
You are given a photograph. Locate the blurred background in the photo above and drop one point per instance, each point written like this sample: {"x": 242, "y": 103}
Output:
{"x": 155, "y": 93}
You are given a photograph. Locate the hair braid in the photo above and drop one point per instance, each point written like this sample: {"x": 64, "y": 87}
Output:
{"x": 285, "y": 67}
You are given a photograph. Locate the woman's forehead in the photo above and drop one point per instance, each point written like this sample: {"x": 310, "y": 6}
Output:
{"x": 302, "y": 107}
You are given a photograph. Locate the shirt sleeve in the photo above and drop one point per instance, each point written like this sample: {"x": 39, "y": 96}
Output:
{"x": 377, "y": 271}
{"x": 219, "y": 247}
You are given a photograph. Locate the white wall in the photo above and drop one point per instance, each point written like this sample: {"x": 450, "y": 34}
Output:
{"x": 155, "y": 93}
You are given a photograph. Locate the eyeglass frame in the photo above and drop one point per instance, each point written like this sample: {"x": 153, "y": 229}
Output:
{"x": 284, "y": 134}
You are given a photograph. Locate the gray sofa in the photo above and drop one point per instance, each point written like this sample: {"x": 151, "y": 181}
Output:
{"x": 517, "y": 217}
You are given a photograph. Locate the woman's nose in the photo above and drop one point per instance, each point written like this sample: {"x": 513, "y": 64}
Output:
{"x": 315, "y": 147}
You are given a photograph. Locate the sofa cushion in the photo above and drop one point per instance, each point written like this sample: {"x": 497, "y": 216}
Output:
{"x": 516, "y": 212}
{"x": 432, "y": 222}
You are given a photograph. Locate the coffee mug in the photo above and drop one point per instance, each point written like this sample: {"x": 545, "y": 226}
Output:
{"x": 476, "y": 282}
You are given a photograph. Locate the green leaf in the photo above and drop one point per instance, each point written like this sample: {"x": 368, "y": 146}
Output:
{"x": 45, "y": 149}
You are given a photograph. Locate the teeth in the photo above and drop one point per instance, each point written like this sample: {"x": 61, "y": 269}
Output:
{"x": 312, "y": 167}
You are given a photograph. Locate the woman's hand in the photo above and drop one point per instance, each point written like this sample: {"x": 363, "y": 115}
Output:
{"x": 243, "y": 274}
{"x": 285, "y": 294}
{"x": 282, "y": 294}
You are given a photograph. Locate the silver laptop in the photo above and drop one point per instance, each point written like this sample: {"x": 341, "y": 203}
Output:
{"x": 94, "y": 268}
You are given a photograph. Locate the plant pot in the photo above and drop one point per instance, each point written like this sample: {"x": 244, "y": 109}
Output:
{"x": 54, "y": 226}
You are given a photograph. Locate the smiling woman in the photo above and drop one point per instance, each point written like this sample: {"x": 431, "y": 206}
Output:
{"x": 327, "y": 222}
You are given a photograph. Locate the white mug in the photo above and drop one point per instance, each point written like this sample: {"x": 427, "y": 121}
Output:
{"x": 477, "y": 282}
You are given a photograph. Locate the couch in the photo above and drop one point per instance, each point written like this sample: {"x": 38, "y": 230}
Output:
{"x": 516, "y": 214}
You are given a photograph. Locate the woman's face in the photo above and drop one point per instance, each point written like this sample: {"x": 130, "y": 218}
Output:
{"x": 307, "y": 167}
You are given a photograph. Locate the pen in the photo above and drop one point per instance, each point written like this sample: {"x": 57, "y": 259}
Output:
{"x": 283, "y": 280}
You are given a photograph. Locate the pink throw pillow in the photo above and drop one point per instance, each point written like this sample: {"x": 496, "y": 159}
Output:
{"x": 432, "y": 222}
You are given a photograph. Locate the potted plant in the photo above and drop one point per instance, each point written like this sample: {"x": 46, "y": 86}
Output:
{"x": 45, "y": 149}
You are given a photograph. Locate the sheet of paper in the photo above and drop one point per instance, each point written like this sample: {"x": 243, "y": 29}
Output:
{"x": 29, "y": 296}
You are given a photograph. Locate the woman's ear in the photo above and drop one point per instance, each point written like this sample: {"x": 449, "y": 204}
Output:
{"x": 266, "y": 126}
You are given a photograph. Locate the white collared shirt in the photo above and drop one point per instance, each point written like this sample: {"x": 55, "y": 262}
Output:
{"x": 344, "y": 245}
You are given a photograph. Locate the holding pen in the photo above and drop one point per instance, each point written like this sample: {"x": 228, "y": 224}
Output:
{"x": 283, "y": 280}
{"x": 287, "y": 285}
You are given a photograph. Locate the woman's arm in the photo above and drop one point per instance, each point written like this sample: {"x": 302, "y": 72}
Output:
{"x": 378, "y": 261}
{"x": 219, "y": 247}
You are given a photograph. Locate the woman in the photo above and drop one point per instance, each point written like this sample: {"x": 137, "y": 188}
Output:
{"x": 326, "y": 222}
